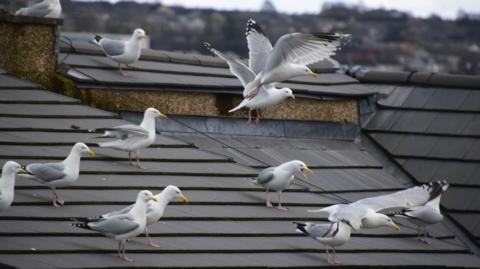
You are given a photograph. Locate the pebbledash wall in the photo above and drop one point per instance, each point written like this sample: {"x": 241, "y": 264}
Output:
{"x": 29, "y": 50}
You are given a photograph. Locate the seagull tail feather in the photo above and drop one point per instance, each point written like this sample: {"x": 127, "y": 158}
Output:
{"x": 241, "y": 105}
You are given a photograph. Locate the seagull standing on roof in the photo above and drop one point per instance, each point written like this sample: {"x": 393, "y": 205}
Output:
{"x": 288, "y": 58}
{"x": 278, "y": 178}
{"x": 122, "y": 52}
{"x": 155, "y": 210}
{"x": 133, "y": 138}
{"x": 60, "y": 174}
{"x": 425, "y": 215}
{"x": 121, "y": 227}
{"x": 365, "y": 213}
{"x": 7, "y": 183}
{"x": 46, "y": 9}
{"x": 268, "y": 95}
{"x": 329, "y": 234}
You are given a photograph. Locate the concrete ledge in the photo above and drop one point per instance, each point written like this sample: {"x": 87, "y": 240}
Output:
{"x": 8, "y": 18}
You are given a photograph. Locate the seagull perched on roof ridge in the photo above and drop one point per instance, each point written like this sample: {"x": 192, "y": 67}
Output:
{"x": 133, "y": 137}
{"x": 45, "y": 8}
{"x": 289, "y": 57}
{"x": 155, "y": 210}
{"x": 364, "y": 213}
{"x": 268, "y": 95}
{"x": 122, "y": 52}
{"x": 425, "y": 215}
{"x": 121, "y": 227}
{"x": 329, "y": 234}
{"x": 278, "y": 178}
{"x": 7, "y": 183}
{"x": 60, "y": 174}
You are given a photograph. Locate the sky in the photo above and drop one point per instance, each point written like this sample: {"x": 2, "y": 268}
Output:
{"x": 419, "y": 8}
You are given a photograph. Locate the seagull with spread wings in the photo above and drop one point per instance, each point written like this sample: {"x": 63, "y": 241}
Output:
{"x": 45, "y": 9}
{"x": 425, "y": 215}
{"x": 268, "y": 95}
{"x": 133, "y": 138}
{"x": 364, "y": 213}
{"x": 122, "y": 52}
{"x": 288, "y": 58}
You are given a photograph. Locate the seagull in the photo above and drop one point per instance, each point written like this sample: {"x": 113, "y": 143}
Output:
{"x": 427, "y": 214}
{"x": 364, "y": 213}
{"x": 289, "y": 57}
{"x": 60, "y": 174}
{"x": 280, "y": 177}
{"x": 268, "y": 95}
{"x": 7, "y": 183}
{"x": 134, "y": 137}
{"x": 329, "y": 234}
{"x": 46, "y": 9}
{"x": 122, "y": 52}
{"x": 155, "y": 210}
{"x": 121, "y": 226}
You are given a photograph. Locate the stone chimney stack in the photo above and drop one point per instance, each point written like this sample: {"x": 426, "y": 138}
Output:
{"x": 28, "y": 47}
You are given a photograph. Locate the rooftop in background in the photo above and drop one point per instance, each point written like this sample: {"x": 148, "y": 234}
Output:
{"x": 226, "y": 223}
{"x": 429, "y": 124}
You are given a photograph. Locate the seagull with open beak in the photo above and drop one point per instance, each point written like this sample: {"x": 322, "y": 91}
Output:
{"x": 280, "y": 177}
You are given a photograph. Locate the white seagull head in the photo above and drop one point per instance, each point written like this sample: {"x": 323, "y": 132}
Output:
{"x": 12, "y": 167}
{"x": 173, "y": 192}
{"x": 298, "y": 167}
{"x": 302, "y": 70}
{"x": 154, "y": 113}
{"x": 287, "y": 93}
{"x": 139, "y": 34}
{"x": 82, "y": 148}
{"x": 145, "y": 196}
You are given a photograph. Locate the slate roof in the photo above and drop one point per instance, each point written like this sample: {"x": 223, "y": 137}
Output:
{"x": 430, "y": 125}
{"x": 226, "y": 223}
{"x": 158, "y": 70}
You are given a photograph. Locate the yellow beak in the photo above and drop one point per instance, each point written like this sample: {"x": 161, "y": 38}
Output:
{"x": 303, "y": 172}
{"x": 184, "y": 199}
{"x": 90, "y": 152}
{"x": 313, "y": 74}
{"x": 396, "y": 227}
{"x": 163, "y": 116}
{"x": 153, "y": 198}
{"x": 22, "y": 171}
{"x": 292, "y": 96}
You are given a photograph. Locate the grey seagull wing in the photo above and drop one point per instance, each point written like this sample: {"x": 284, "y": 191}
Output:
{"x": 266, "y": 175}
{"x": 112, "y": 47}
{"x": 41, "y": 9}
{"x": 259, "y": 46}
{"x": 120, "y": 224}
{"x": 46, "y": 172}
{"x": 239, "y": 69}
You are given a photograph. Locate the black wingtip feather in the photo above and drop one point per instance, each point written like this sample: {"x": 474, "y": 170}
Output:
{"x": 332, "y": 36}
{"x": 252, "y": 26}
{"x": 97, "y": 37}
{"x": 436, "y": 189}
{"x": 301, "y": 227}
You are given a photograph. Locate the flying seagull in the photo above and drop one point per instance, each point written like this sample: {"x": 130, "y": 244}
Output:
{"x": 278, "y": 178}
{"x": 122, "y": 52}
{"x": 7, "y": 183}
{"x": 289, "y": 57}
{"x": 425, "y": 215}
{"x": 329, "y": 234}
{"x": 268, "y": 95}
{"x": 60, "y": 174}
{"x": 133, "y": 138}
{"x": 364, "y": 213}
{"x": 155, "y": 210}
{"x": 46, "y": 9}
{"x": 121, "y": 227}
